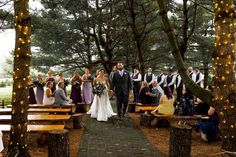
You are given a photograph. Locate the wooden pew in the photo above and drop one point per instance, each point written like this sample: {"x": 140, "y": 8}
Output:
{"x": 35, "y": 128}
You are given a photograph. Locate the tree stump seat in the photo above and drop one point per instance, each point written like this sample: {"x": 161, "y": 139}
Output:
{"x": 131, "y": 107}
{"x": 146, "y": 119}
{"x": 77, "y": 119}
{"x": 58, "y": 143}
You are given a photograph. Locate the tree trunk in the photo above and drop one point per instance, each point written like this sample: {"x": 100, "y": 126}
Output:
{"x": 180, "y": 141}
{"x": 58, "y": 143}
{"x": 22, "y": 54}
{"x": 224, "y": 71}
{"x": 201, "y": 93}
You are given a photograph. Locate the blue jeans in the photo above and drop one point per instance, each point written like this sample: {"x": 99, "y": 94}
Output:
{"x": 208, "y": 128}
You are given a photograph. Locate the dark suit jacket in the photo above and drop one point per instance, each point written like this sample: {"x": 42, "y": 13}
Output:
{"x": 121, "y": 84}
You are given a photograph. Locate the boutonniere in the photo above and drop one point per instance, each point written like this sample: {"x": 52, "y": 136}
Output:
{"x": 124, "y": 73}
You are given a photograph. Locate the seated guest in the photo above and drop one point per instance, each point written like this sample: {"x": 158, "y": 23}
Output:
{"x": 209, "y": 127}
{"x": 48, "y": 97}
{"x": 156, "y": 93}
{"x": 60, "y": 96}
{"x": 143, "y": 98}
{"x": 166, "y": 105}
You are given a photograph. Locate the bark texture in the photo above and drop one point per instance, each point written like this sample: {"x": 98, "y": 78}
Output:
{"x": 224, "y": 71}
{"x": 22, "y": 55}
{"x": 58, "y": 143}
{"x": 180, "y": 141}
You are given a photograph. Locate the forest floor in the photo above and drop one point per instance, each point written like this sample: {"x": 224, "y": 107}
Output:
{"x": 159, "y": 137}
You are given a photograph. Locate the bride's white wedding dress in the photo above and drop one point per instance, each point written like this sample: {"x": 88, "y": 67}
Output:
{"x": 101, "y": 107}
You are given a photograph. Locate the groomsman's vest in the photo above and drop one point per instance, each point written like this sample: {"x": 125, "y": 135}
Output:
{"x": 148, "y": 78}
{"x": 159, "y": 78}
{"x": 169, "y": 79}
{"x": 181, "y": 83}
{"x": 197, "y": 78}
{"x": 135, "y": 83}
{"x": 190, "y": 75}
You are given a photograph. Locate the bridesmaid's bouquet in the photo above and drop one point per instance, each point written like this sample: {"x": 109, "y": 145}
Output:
{"x": 98, "y": 89}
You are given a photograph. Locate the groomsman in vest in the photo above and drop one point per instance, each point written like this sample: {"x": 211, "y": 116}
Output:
{"x": 149, "y": 77}
{"x": 136, "y": 78}
{"x": 192, "y": 75}
{"x": 170, "y": 80}
{"x": 161, "y": 79}
{"x": 179, "y": 87}
{"x": 199, "y": 77}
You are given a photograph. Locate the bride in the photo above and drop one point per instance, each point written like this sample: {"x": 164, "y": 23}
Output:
{"x": 101, "y": 106}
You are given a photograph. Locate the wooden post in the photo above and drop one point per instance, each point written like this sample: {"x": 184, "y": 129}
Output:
{"x": 180, "y": 141}
{"x": 58, "y": 143}
{"x": 77, "y": 120}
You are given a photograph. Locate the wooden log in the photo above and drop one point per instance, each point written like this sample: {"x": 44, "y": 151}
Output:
{"x": 77, "y": 120}
{"x": 131, "y": 107}
{"x": 180, "y": 141}
{"x": 146, "y": 119}
{"x": 58, "y": 143}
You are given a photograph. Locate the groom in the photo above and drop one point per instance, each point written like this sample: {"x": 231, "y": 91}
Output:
{"x": 121, "y": 83}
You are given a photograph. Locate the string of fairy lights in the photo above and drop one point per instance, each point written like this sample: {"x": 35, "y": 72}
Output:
{"x": 22, "y": 53}
{"x": 224, "y": 62}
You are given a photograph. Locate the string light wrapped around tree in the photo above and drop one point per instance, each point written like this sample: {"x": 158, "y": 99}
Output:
{"x": 22, "y": 55}
{"x": 224, "y": 70}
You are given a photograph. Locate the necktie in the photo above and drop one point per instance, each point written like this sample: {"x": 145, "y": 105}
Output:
{"x": 121, "y": 73}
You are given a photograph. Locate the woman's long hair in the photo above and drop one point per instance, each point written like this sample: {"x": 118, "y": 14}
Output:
{"x": 168, "y": 92}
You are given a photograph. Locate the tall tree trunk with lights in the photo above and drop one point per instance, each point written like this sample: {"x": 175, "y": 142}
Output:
{"x": 224, "y": 70}
{"x": 22, "y": 55}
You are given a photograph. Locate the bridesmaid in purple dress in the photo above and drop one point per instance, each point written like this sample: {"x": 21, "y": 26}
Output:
{"x": 87, "y": 87}
{"x": 39, "y": 89}
{"x": 51, "y": 78}
{"x": 76, "y": 89}
{"x": 32, "y": 99}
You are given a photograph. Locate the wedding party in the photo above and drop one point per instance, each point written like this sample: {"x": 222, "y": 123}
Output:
{"x": 107, "y": 78}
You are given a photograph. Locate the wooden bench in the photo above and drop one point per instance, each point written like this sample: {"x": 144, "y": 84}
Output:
{"x": 71, "y": 106}
{"x": 145, "y": 107}
{"x": 133, "y": 107}
{"x": 50, "y": 106}
{"x": 63, "y": 118}
{"x": 7, "y": 111}
{"x": 35, "y": 128}
{"x": 145, "y": 119}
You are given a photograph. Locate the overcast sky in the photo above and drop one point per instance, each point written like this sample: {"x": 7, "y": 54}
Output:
{"x": 7, "y": 37}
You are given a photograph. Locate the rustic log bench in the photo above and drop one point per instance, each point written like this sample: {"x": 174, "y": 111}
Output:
{"x": 34, "y": 128}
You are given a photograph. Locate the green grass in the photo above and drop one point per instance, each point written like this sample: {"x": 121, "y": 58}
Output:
{"x": 6, "y": 94}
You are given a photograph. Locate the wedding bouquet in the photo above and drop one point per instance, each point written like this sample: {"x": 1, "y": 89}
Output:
{"x": 98, "y": 89}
